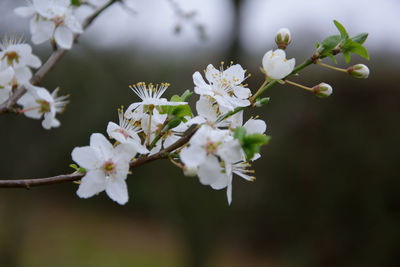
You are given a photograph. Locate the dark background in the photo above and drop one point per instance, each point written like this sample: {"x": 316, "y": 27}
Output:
{"x": 327, "y": 185}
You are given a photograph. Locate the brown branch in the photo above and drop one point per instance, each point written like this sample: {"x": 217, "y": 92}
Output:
{"x": 49, "y": 64}
{"x": 75, "y": 176}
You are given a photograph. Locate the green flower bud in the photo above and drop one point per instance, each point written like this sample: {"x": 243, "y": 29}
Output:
{"x": 322, "y": 90}
{"x": 358, "y": 71}
{"x": 283, "y": 38}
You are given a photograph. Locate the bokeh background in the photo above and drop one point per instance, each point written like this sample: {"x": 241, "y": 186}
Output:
{"x": 327, "y": 185}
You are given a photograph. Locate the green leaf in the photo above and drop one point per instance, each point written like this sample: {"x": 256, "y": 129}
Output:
{"x": 342, "y": 30}
{"x": 358, "y": 49}
{"x": 252, "y": 143}
{"x": 176, "y": 98}
{"x": 240, "y": 134}
{"x": 78, "y": 169}
{"x": 330, "y": 43}
{"x": 347, "y": 56}
{"x": 332, "y": 57}
{"x": 317, "y": 44}
{"x": 185, "y": 96}
{"x": 181, "y": 111}
{"x": 256, "y": 138}
{"x": 360, "y": 38}
{"x": 75, "y": 2}
{"x": 174, "y": 123}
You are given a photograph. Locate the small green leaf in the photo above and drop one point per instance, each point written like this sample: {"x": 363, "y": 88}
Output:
{"x": 240, "y": 134}
{"x": 256, "y": 138}
{"x": 176, "y": 98}
{"x": 174, "y": 123}
{"x": 358, "y": 49}
{"x": 347, "y": 56}
{"x": 317, "y": 44}
{"x": 360, "y": 38}
{"x": 330, "y": 43}
{"x": 75, "y": 2}
{"x": 186, "y": 95}
{"x": 78, "y": 169}
{"x": 342, "y": 30}
{"x": 332, "y": 57}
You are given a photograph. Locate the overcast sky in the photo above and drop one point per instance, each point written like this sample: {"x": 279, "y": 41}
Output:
{"x": 152, "y": 25}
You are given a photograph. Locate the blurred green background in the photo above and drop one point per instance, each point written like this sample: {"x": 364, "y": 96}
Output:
{"x": 327, "y": 185}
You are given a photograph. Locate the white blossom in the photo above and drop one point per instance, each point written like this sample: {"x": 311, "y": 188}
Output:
{"x": 224, "y": 86}
{"x": 150, "y": 96}
{"x": 6, "y": 77}
{"x": 38, "y": 102}
{"x": 18, "y": 55}
{"x": 275, "y": 64}
{"x": 208, "y": 151}
{"x": 126, "y": 132}
{"x": 52, "y": 18}
{"x": 209, "y": 111}
{"x": 106, "y": 168}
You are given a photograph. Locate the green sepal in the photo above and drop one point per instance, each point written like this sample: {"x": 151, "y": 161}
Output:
{"x": 78, "y": 169}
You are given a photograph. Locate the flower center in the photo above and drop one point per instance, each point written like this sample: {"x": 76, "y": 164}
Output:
{"x": 123, "y": 132}
{"x": 211, "y": 148}
{"x": 44, "y": 106}
{"x": 59, "y": 20}
{"x": 11, "y": 57}
{"x": 108, "y": 167}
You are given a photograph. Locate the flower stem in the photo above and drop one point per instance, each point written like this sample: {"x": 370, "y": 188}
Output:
{"x": 331, "y": 67}
{"x": 299, "y": 85}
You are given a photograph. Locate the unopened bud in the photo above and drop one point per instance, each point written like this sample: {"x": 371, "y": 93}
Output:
{"x": 283, "y": 38}
{"x": 358, "y": 71}
{"x": 261, "y": 102}
{"x": 189, "y": 171}
{"x": 322, "y": 90}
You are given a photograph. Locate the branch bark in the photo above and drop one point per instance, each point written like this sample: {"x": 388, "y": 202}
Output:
{"x": 75, "y": 176}
{"x": 49, "y": 64}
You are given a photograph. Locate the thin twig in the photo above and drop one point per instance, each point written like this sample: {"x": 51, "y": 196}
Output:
{"x": 75, "y": 176}
{"x": 49, "y": 64}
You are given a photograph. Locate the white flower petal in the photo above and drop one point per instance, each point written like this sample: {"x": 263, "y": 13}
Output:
{"x": 25, "y": 11}
{"x": 255, "y": 126}
{"x": 22, "y": 74}
{"x": 193, "y": 155}
{"x": 234, "y": 73}
{"x": 210, "y": 173}
{"x": 41, "y": 30}
{"x": 92, "y": 183}
{"x": 86, "y": 157}
{"x": 64, "y": 37}
{"x": 117, "y": 190}
{"x": 101, "y": 145}
{"x": 6, "y": 76}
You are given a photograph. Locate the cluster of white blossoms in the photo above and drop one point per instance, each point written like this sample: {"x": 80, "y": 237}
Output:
{"x": 213, "y": 153}
{"x": 52, "y": 19}
{"x": 16, "y": 61}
